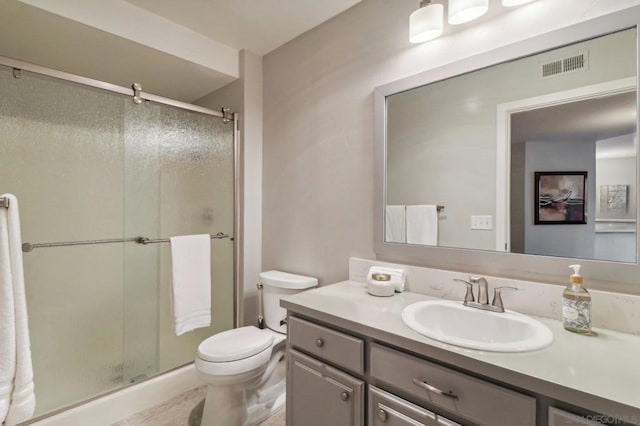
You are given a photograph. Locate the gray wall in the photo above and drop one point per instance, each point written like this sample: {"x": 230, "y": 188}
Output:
{"x": 245, "y": 97}
{"x": 318, "y": 120}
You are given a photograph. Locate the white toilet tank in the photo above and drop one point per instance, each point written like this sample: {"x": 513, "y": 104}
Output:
{"x": 275, "y": 285}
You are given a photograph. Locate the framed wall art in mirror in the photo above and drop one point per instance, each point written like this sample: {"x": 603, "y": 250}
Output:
{"x": 471, "y": 135}
{"x": 560, "y": 198}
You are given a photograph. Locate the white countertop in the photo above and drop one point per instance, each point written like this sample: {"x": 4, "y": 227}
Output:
{"x": 599, "y": 373}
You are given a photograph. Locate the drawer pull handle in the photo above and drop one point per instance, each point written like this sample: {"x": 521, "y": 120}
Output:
{"x": 382, "y": 415}
{"x": 426, "y": 386}
{"x": 319, "y": 343}
{"x": 344, "y": 396}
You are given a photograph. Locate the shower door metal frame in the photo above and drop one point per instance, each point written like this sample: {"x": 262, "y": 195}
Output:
{"x": 237, "y": 237}
{"x": 129, "y": 91}
{"x": 237, "y": 185}
{"x": 238, "y": 217}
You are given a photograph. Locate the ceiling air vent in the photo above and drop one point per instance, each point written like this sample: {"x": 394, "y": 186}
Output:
{"x": 551, "y": 68}
{"x": 564, "y": 65}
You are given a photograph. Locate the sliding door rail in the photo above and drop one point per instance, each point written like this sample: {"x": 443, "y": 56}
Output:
{"x": 38, "y": 69}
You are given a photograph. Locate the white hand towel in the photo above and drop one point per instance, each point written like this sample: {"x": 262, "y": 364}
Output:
{"x": 422, "y": 224}
{"x": 398, "y": 276}
{"x": 23, "y": 399}
{"x": 395, "y": 224}
{"x": 191, "y": 282}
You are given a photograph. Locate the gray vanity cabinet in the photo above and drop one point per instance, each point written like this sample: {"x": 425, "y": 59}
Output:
{"x": 340, "y": 340}
{"x": 319, "y": 395}
{"x": 326, "y": 385}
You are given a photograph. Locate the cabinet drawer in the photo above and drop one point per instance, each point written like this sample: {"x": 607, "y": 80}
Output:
{"x": 330, "y": 345}
{"x": 559, "y": 417}
{"x": 446, "y": 422}
{"x": 386, "y": 409}
{"x": 467, "y": 397}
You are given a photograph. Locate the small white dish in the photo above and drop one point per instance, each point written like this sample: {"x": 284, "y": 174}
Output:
{"x": 380, "y": 288}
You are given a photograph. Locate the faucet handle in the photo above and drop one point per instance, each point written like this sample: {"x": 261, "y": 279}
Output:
{"x": 468, "y": 297}
{"x": 497, "y": 296}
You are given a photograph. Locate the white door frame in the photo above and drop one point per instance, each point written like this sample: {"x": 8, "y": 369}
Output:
{"x": 503, "y": 141}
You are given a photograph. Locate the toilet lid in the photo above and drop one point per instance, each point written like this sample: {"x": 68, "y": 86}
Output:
{"x": 232, "y": 345}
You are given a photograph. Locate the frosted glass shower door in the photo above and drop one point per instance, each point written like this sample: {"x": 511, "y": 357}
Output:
{"x": 61, "y": 154}
{"x": 88, "y": 165}
{"x": 179, "y": 180}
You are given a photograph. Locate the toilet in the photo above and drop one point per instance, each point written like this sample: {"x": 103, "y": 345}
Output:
{"x": 244, "y": 368}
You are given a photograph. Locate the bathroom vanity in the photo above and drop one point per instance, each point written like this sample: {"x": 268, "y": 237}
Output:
{"x": 352, "y": 361}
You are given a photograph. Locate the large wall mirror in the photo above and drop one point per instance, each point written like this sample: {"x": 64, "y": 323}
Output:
{"x": 528, "y": 150}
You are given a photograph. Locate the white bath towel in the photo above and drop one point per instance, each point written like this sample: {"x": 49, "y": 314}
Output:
{"x": 395, "y": 224}
{"x": 191, "y": 282}
{"x": 422, "y": 224}
{"x": 7, "y": 321}
{"x": 15, "y": 355}
{"x": 398, "y": 276}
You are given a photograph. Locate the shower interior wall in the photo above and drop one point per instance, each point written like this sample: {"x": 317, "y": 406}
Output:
{"x": 245, "y": 97}
{"x": 87, "y": 164}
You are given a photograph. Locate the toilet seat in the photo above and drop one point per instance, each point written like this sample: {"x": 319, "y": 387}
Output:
{"x": 235, "y": 344}
{"x": 243, "y": 350}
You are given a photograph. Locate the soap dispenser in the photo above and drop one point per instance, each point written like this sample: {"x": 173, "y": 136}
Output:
{"x": 576, "y": 304}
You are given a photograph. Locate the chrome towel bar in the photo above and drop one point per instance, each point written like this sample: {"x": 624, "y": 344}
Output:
{"x": 145, "y": 240}
{"x": 29, "y": 247}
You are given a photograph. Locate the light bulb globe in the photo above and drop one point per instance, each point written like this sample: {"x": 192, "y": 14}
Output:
{"x": 426, "y": 23}
{"x": 462, "y": 11}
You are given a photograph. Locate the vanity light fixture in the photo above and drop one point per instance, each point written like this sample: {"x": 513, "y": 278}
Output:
{"x": 427, "y": 22}
{"x": 461, "y": 11}
{"x": 511, "y": 3}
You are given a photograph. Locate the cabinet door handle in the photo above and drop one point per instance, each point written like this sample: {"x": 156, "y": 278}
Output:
{"x": 426, "y": 386}
{"x": 319, "y": 343}
{"x": 344, "y": 396}
{"x": 382, "y": 415}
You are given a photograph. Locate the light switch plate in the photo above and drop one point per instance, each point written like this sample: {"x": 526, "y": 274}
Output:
{"x": 482, "y": 222}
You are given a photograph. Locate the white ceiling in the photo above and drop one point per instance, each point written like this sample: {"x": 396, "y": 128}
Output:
{"x": 259, "y": 26}
{"x": 588, "y": 120}
{"x": 182, "y": 49}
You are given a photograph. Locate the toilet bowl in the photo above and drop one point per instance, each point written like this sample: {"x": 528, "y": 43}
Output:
{"x": 244, "y": 368}
{"x": 234, "y": 364}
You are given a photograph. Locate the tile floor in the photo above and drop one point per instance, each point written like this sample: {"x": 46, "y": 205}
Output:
{"x": 183, "y": 410}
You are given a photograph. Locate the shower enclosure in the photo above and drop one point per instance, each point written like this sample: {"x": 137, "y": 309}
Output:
{"x": 89, "y": 164}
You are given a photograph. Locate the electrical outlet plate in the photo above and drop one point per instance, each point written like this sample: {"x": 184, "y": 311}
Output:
{"x": 483, "y": 222}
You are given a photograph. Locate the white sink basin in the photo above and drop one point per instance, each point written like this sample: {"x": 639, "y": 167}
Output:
{"x": 456, "y": 324}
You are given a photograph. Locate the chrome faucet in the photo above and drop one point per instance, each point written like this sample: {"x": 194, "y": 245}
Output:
{"x": 483, "y": 294}
{"x": 483, "y": 289}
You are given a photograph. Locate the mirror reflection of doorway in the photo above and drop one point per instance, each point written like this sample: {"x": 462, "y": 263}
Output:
{"x": 597, "y": 134}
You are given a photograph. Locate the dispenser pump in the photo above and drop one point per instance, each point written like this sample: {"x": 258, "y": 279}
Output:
{"x": 575, "y": 278}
